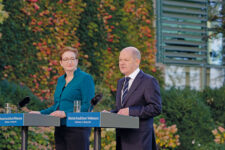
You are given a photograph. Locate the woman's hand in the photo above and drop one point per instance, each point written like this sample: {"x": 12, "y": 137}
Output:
{"x": 34, "y": 112}
{"x": 58, "y": 113}
{"x": 106, "y": 111}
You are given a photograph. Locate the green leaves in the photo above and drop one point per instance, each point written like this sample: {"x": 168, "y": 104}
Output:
{"x": 187, "y": 110}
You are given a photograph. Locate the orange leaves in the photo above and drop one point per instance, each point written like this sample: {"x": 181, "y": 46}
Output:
{"x": 129, "y": 24}
{"x": 145, "y": 31}
{"x": 129, "y": 6}
{"x": 45, "y": 12}
{"x": 219, "y": 134}
{"x": 36, "y": 6}
{"x": 56, "y": 23}
{"x": 107, "y": 17}
{"x": 166, "y": 137}
{"x": 140, "y": 16}
{"x": 76, "y": 45}
{"x": 34, "y": 1}
{"x": 148, "y": 21}
{"x": 39, "y": 23}
{"x": 60, "y": 1}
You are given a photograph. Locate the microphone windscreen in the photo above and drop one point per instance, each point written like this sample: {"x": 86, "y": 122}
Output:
{"x": 96, "y": 99}
{"x": 25, "y": 101}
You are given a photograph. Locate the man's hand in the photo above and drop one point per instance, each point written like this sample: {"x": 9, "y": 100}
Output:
{"x": 124, "y": 111}
{"x": 58, "y": 113}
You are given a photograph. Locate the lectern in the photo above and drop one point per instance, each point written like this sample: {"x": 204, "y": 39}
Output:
{"x": 100, "y": 120}
{"x": 25, "y": 120}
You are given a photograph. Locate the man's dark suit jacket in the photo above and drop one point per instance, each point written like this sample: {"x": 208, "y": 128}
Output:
{"x": 144, "y": 101}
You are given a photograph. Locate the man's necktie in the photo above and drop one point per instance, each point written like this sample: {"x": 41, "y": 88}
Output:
{"x": 125, "y": 88}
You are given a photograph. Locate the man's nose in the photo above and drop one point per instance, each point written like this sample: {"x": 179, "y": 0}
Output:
{"x": 70, "y": 61}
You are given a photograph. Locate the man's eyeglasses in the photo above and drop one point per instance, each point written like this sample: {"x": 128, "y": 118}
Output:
{"x": 69, "y": 59}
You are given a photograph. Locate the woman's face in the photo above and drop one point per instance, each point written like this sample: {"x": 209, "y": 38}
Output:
{"x": 69, "y": 61}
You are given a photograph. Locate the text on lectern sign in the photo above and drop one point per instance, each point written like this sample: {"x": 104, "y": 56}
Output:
{"x": 83, "y": 119}
{"x": 11, "y": 119}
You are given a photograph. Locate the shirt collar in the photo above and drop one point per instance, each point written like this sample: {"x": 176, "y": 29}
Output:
{"x": 134, "y": 74}
{"x": 75, "y": 72}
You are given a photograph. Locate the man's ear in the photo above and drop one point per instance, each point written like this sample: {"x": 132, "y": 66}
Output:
{"x": 138, "y": 61}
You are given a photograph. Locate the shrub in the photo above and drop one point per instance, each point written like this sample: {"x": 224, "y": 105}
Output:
{"x": 219, "y": 135}
{"x": 38, "y": 137}
{"x": 13, "y": 93}
{"x": 215, "y": 99}
{"x": 108, "y": 139}
{"x": 209, "y": 146}
{"x": 18, "y": 55}
{"x": 166, "y": 136}
{"x": 108, "y": 101}
{"x": 186, "y": 109}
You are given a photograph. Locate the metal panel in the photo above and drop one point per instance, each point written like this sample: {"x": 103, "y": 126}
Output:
{"x": 184, "y": 17}
{"x": 118, "y": 121}
{"x": 183, "y": 48}
{"x": 201, "y": 24}
{"x": 183, "y": 62}
{"x": 40, "y": 120}
{"x": 183, "y": 10}
{"x": 202, "y": 31}
{"x": 182, "y": 3}
{"x": 182, "y": 35}
{"x": 101, "y": 119}
{"x": 183, "y": 42}
{"x": 197, "y": 37}
{"x": 178, "y": 54}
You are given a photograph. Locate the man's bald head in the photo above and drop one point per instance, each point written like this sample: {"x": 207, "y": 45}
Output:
{"x": 135, "y": 52}
{"x": 129, "y": 60}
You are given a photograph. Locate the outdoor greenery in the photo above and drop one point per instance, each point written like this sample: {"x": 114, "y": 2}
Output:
{"x": 32, "y": 32}
{"x": 37, "y": 29}
{"x": 3, "y": 15}
{"x": 39, "y": 137}
{"x": 186, "y": 123}
{"x": 215, "y": 101}
{"x": 13, "y": 93}
{"x": 186, "y": 109}
{"x": 218, "y": 15}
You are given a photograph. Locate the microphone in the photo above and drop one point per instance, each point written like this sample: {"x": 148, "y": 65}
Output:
{"x": 24, "y": 101}
{"x": 95, "y": 100}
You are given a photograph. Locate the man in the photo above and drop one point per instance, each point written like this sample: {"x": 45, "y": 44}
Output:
{"x": 137, "y": 96}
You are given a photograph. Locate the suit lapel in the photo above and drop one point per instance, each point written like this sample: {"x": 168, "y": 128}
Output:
{"x": 133, "y": 87}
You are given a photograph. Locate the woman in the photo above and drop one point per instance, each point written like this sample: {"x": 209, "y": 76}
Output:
{"x": 73, "y": 85}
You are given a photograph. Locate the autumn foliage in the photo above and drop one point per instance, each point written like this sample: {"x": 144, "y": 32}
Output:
{"x": 166, "y": 136}
{"x": 56, "y": 24}
{"x": 219, "y": 134}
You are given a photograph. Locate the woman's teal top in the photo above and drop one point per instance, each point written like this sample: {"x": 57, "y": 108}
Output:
{"x": 81, "y": 87}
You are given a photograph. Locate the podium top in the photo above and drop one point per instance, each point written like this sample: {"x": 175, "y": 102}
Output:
{"x": 84, "y": 119}
{"x": 26, "y": 119}
{"x": 101, "y": 119}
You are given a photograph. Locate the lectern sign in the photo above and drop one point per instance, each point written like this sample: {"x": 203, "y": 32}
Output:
{"x": 11, "y": 119}
{"x": 101, "y": 119}
{"x": 83, "y": 119}
{"x": 26, "y": 119}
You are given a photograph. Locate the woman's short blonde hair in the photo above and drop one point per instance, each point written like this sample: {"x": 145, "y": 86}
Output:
{"x": 71, "y": 49}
